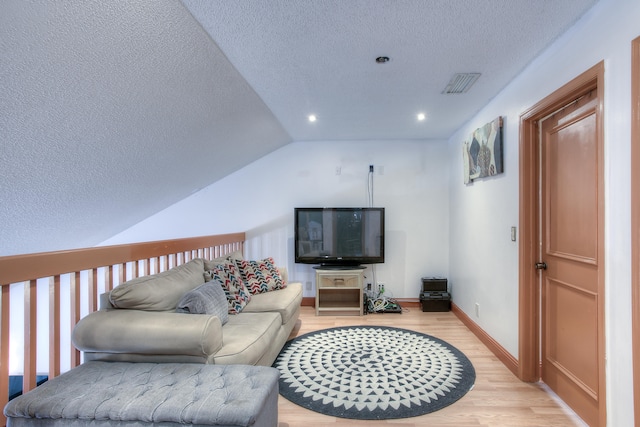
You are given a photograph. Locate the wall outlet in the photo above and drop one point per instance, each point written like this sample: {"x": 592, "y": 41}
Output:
{"x": 477, "y": 310}
{"x": 380, "y": 288}
{"x": 307, "y": 286}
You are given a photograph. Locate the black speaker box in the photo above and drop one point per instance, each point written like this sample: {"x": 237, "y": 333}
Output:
{"x": 435, "y": 301}
{"x": 434, "y": 284}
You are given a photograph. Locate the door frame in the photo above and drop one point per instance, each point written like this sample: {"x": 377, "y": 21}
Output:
{"x": 635, "y": 221}
{"x": 529, "y": 292}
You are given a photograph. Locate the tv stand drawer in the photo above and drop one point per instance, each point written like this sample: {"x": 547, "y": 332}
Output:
{"x": 338, "y": 282}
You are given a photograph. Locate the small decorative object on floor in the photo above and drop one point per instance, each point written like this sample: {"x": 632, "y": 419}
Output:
{"x": 373, "y": 372}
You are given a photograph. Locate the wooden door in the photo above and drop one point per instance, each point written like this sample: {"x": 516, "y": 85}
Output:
{"x": 571, "y": 255}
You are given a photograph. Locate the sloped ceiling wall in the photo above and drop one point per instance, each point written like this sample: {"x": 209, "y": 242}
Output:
{"x": 110, "y": 112}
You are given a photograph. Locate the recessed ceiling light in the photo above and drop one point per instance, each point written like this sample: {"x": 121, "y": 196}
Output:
{"x": 421, "y": 116}
{"x": 312, "y": 118}
{"x": 382, "y": 59}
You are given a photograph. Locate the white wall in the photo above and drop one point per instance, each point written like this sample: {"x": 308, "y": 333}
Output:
{"x": 483, "y": 259}
{"x": 437, "y": 226}
{"x": 483, "y": 262}
{"x": 410, "y": 182}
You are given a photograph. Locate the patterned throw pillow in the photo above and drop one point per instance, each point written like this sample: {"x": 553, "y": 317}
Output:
{"x": 260, "y": 276}
{"x": 229, "y": 277}
{"x": 208, "y": 298}
{"x": 210, "y": 263}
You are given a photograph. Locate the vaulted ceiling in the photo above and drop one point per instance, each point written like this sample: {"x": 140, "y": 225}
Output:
{"x": 112, "y": 111}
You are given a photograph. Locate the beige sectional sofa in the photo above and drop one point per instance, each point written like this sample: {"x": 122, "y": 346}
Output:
{"x": 138, "y": 321}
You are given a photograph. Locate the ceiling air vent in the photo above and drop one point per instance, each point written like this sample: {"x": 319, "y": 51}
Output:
{"x": 460, "y": 83}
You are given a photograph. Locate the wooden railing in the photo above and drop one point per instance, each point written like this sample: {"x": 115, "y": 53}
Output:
{"x": 86, "y": 273}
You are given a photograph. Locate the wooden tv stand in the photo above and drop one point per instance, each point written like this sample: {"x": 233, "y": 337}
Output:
{"x": 339, "y": 291}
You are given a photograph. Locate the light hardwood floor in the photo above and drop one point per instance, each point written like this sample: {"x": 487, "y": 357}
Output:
{"x": 498, "y": 398}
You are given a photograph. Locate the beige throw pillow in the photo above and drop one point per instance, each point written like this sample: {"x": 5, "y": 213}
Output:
{"x": 159, "y": 292}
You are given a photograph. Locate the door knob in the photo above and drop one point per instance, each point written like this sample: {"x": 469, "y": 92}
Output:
{"x": 541, "y": 265}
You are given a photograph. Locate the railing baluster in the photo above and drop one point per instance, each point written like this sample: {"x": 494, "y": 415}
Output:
{"x": 122, "y": 274}
{"x": 54, "y": 326}
{"x": 109, "y": 278}
{"x": 74, "y": 304}
{"x": 135, "y": 269}
{"x": 30, "y": 334}
{"x": 92, "y": 289}
{"x": 146, "y": 267}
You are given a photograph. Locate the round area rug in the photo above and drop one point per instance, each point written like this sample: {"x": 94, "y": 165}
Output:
{"x": 372, "y": 372}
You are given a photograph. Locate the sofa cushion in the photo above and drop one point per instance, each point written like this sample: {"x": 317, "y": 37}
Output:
{"x": 208, "y": 298}
{"x": 228, "y": 276}
{"x": 247, "y": 337}
{"x": 159, "y": 292}
{"x": 285, "y": 301}
{"x": 260, "y": 276}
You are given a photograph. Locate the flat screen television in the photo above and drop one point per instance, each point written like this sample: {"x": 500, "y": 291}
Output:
{"x": 339, "y": 237}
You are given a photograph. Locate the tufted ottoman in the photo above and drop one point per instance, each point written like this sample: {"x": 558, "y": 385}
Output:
{"x": 151, "y": 394}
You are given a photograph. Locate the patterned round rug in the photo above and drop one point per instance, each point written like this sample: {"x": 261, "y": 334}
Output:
{"x": 372, "y": 372}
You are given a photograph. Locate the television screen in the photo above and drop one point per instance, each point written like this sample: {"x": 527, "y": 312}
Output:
{"x": 339, "y": 236}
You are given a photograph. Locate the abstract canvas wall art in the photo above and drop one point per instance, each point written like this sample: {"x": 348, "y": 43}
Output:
{"x": 482, "y": 153}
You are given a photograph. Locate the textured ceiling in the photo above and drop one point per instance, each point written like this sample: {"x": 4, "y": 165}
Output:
{"x": 113, "y": 110}
{"x": 309, "y": 56}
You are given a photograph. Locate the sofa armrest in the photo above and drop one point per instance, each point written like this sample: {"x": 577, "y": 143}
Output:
{"x": 148, "y": 332}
